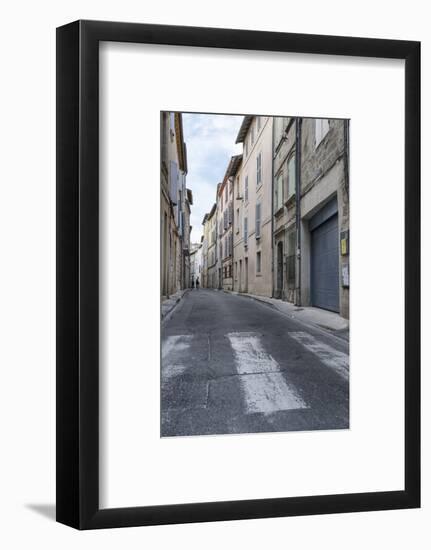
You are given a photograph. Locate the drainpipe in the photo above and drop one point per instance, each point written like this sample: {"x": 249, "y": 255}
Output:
{"x": 346, "y": 155}
{"x": 272, "y": 211}
{"x": 298, "y": 206}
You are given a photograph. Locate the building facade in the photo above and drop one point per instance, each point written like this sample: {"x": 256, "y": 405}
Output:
{"x": 195, "y": 263}
{"x": 211, "y": 235}
{"x": 285, "y": 281}
{"x": 226, "y": 225}
{"x": 175, "y": 203}
{"x": 311, "y": 212}
{"x": 280, "y": 224}
{"x": 253, "y": 206}
{"x": 324, "y": 216}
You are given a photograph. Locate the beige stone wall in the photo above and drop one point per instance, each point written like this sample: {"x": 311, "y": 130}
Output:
{"x": 322, "y": 179}
{"x": 175, "y": 268}
{"x": 253, "y": 281}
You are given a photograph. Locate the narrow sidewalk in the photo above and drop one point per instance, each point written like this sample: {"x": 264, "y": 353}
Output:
{"x": 169, "y": 304}
{"x": 320, "y": 318}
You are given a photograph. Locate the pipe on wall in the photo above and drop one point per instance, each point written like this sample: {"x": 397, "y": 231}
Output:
{"x": 298, "y": 147}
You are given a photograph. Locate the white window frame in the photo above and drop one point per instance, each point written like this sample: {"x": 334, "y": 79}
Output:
{"x": 321, "y": 128}
{"x": 291, "y": 181}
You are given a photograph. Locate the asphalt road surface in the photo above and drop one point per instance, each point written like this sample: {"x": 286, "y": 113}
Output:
{"x": 231, "y": 364}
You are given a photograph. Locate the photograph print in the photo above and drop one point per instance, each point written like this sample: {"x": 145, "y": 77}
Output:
{"x": 254, "y": 274}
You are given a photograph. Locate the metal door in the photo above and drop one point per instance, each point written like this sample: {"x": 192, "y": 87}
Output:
{"x": 325, "y": 265}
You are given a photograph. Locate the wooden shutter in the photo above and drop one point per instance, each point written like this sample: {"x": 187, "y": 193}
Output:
{"x": 291, "y": 176}
{"x": 257, "y": 228}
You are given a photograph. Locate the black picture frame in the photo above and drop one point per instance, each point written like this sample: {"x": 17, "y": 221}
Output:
{"x": 78, "y": 273}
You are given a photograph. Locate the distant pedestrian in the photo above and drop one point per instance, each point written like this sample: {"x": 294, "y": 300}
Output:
{"x": 197, "y": 283}
{"x": 193, "y": 283}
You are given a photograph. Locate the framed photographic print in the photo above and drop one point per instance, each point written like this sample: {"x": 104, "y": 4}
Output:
{"x": 238, "y": 283}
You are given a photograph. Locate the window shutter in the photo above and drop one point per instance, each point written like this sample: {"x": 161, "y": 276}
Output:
{"x": 257, "y": 170}
{"x": 257, "y": 220}
{"x": 246, "y": 188}
{"x": 174, "y": 181}
{"x": 245, "y": 230}
{"x": 292, "y": 176}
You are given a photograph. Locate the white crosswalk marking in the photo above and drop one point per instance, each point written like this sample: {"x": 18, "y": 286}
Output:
{"x": 173, "y": 349}
{"x": 264, "y": 387}
{"x": 336, "y": 360}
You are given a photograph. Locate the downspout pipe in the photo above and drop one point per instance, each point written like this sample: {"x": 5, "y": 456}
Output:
{"x": 298, "y": 206}
{"x": 346, "y": 155}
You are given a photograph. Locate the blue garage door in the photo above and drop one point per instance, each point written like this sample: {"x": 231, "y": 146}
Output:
{"x": 324, "y": 262}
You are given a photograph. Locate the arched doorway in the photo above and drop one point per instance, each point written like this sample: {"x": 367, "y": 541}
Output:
{"x": 279, "y": 290}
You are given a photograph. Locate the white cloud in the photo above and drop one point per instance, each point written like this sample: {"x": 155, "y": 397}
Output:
{"x": 210, "y": 144}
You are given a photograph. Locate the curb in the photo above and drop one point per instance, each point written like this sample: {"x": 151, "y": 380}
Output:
{"x": 337, "y": 333}
{"x": 168, "y": 313}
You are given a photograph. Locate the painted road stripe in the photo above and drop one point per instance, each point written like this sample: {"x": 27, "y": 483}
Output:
{"x": 173, "y": 349}
{"x": 264, "y": 387}
{"x": 250, "y": 355}
{"x": 336, "y": 360}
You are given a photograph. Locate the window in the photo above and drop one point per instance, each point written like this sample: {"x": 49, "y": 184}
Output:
{"x": 321, "y": 129}
{"x": 225, "y": 194}
{"x": 291, "y": 174}
{"x": 237, "y": 220}
{"x": 245, "y": 231}
{"x": 221, "y": 251}
{"x": 258, "y": 262}
{"x": 246, "y": 188}
{"x": 246, "y": 147}
{"x": 278, "y": 199}
{"x": 257, "y": 229}
{"x": 252, "y": 134}
{"x": 259, "y": 169}
{"x": 236, "y": 271}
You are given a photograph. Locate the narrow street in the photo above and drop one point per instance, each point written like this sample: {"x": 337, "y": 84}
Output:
{"x": 231, "y": 365}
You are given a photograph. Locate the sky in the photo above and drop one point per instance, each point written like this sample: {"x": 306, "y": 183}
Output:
{"x": 210, "y": 143}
